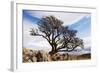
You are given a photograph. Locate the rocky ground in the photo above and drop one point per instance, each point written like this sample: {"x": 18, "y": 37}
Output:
{"x": 42, "y": 56}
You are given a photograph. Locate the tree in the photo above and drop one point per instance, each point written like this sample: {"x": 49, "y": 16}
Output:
{"x": 59, "y": 37}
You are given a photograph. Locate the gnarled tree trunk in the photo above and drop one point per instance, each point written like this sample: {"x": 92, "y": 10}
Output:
{"x": 54, "y": 50}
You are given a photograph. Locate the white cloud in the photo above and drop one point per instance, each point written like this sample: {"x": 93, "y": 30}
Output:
{"x": 87, "y": 42}
{"x": 33, "y": 42}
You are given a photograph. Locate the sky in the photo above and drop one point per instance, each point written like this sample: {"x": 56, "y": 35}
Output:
{"x": 78, "y": 21}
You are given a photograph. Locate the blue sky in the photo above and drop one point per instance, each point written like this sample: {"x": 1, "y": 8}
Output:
{"x": 27, "y": 16}
{"x": 83, "y": 26}
{"x": 78, "y": 21}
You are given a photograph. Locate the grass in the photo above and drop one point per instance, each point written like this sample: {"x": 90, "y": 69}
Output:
{"x": 43, "y": 56}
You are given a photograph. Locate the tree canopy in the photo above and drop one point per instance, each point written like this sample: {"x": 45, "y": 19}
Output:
{"x": 60, "y": 37}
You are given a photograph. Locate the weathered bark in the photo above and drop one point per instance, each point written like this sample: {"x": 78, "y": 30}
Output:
{"x": 54, "y": 50}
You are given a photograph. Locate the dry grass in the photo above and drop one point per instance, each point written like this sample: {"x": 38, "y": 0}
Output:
{"x": 42, "y": 56}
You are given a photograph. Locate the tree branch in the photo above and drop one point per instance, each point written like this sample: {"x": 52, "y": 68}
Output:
{"x": 68, "y": 50}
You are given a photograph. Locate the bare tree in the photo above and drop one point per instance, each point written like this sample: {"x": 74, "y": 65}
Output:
{"x": 59, "y": 37}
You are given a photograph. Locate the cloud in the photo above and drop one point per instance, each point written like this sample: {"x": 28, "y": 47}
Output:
{"x": 33, "y": 42}
{"x": 87, "y": 42}
{"x": 36, "y": 42}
